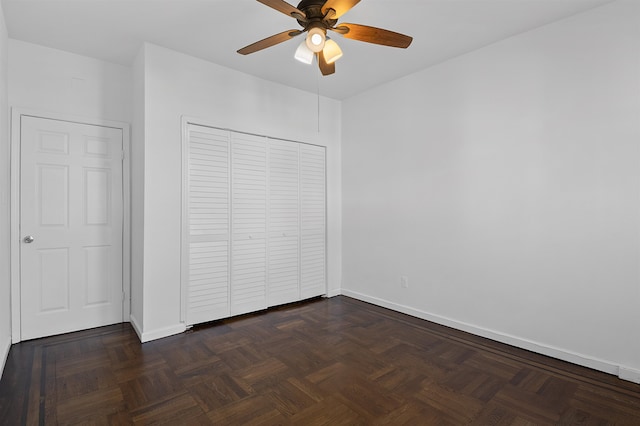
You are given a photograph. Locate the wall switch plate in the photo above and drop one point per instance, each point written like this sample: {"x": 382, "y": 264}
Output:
{"x": 404, "y": 281}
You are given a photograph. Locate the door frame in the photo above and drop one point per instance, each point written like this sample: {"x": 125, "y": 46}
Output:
{"x": 16, "y": 116}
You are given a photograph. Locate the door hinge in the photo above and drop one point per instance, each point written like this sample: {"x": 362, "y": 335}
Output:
{"x": 122, "y": 155}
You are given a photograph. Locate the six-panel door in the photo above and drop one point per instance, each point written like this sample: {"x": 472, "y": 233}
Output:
{"x": 71, "y": 223}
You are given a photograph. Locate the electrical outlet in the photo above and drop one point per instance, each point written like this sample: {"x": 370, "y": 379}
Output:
{"x": 404, "y": 281}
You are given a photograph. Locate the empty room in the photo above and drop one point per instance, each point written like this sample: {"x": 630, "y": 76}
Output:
{"x": 320, "y": 213}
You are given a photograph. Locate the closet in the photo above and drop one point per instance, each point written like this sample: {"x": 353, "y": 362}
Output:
{"x": 253, "y": 222}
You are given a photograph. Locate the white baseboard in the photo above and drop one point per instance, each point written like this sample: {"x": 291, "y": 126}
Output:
{"x": 136, "y": 326}
{"x": 333, "y": 293}
{"x": 629, "y": 374}
{"x": 622, "y": 372}
{"x": 147, "y": 336}
{"x": 5, "y": 347}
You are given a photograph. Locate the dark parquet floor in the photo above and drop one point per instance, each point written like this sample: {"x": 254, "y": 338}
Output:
{"x": 324, "y": 362}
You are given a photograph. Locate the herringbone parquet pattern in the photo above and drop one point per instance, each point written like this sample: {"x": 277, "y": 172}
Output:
{"x": 324, "y": 362}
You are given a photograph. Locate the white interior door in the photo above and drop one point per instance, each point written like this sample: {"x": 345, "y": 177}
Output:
{"x": 207, "y": 220}
{"x": 248, "y": 223}
{"x": 313, "y": 238}
{"x": 71, "y": 224}
{"x": 284, "y": 223}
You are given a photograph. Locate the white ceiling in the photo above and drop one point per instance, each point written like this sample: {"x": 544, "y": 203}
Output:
{"x": 113, "y": 30}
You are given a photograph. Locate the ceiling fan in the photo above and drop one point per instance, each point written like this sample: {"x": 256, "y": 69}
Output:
{"x": 316, "y": 18}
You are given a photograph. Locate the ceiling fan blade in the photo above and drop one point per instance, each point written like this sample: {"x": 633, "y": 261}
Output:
{"x": 340, "y": 7}
{"x": 325, "y": 68}
{"x": 269, "y": 41}
{"x": 374, "y": 35}
{"x": 286, "y": 8}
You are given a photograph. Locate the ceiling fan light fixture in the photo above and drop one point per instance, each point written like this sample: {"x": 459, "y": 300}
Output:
{"x": 316, "y": 17}
{"x": 332, "y": 51}
{"x": 304, "y": 54}
{"x": 316, "y": 39}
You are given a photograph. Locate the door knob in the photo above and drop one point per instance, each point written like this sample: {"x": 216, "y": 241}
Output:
{"x": 28, "y": 239}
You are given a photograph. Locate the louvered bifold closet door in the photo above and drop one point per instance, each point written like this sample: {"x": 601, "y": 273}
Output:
{"x": 207, "y": 224}
{"x": 284, "y": 254}
{"x": 313, "y": 221}
{"x": 248, "y": 223}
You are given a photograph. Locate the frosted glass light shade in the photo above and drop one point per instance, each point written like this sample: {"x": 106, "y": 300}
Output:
{"x": 304, "y": 54}
{"x": 332, "y": 51}
{"x": 315, "y": 39}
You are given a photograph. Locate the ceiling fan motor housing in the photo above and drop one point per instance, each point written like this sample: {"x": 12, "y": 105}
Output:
{"x": 315, "y": 18}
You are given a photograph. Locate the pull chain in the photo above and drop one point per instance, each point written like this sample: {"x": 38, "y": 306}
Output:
{"x": 318, "y": 92}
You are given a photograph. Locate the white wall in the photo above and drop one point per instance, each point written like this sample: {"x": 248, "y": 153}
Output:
{"x": 178, "y": 85}
{"x": 505, "y": 184}
{"x": 50, "y": 80}
{"x": 5, "y": 283}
